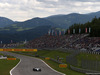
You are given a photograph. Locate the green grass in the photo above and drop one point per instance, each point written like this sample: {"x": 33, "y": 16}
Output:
{"x": 51, "y": 54}
{"x": 54, "y": 54}
{"x": 19, "y": 29}
{"x": 7, "y": 65}
{"x": 20, "y": 46}
{"x": 22, "y": 29}
{"x": 1, "y": 54}
{"x": 88, "y": 56}
{"x": 66, "y": 71}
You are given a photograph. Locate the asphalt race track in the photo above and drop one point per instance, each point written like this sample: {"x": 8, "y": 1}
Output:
{"x": 28, "y": 63}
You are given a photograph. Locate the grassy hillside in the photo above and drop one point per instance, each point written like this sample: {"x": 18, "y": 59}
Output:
{"x": 6, "y": 37}
{"x": 65, "y": 21}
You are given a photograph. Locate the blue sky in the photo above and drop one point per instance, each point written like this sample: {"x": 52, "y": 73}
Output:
{"x": 21, "y": 10}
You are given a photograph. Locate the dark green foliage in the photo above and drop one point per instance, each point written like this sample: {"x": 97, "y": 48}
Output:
{"x": 24, "y": 35}
{"x": 34, "y": 23}
{"x": 28, "y": 30}
{"x": 94, "y": 25}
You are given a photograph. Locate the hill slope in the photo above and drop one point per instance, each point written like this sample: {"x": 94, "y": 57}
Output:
{"x": 6, "y": 37}
{"x": 32, "y": 23}
{"x": 64, "y": 21}
{"x": 5, "y": 22}
{"x": 36, "y": 27}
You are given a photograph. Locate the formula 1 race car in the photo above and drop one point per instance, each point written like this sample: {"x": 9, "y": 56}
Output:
{"x": 36, "y": 69}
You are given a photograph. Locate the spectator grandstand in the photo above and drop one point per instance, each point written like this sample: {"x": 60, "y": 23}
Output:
{"x": 72, "y": 41}
{"x": 76, "y": 41}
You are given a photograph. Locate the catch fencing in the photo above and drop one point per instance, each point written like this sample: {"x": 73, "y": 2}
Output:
{"x": 85, "y": 65}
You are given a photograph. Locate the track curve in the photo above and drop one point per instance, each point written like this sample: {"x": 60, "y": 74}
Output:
{"x": 28, "y": 63}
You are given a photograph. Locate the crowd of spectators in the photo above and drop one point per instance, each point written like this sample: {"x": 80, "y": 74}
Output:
{"x": 74, "y": 41}
{"x": 87, "y": 43}
{"x": 49, "y": 41}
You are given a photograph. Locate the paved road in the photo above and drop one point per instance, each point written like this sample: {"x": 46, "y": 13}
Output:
{"x": 27, "y": 63}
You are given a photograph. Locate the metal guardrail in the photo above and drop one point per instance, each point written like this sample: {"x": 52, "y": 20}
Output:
{"x": 83, "y": 70}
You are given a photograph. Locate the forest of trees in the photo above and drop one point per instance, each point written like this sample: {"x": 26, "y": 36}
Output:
{"x": 94, "y": 27}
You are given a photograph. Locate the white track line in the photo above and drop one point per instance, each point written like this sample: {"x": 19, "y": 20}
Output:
{"x": 52, "y": 68}
{"x": 15, "y": 67}
{"x": 42, "y": 61}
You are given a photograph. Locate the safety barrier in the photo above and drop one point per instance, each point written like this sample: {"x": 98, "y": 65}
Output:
{"x": 11, "y": 58}
{"x": 83, "y": 70}
{"x": 63, "y": 65}
{"x": 34, "y": 50}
